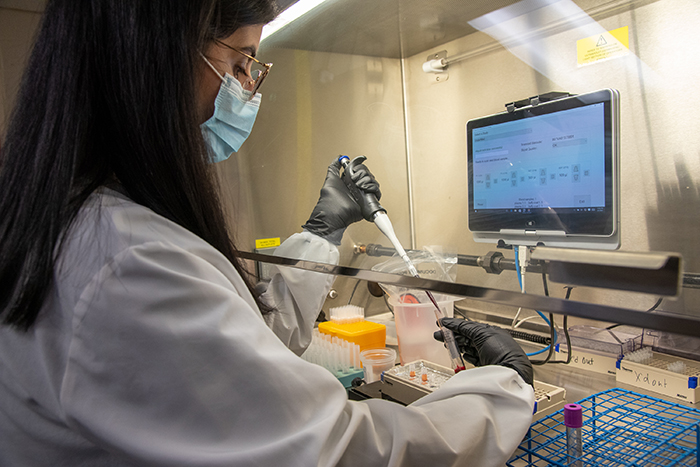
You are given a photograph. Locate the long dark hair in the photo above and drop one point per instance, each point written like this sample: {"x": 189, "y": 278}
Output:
{"x": 109, "y": 93}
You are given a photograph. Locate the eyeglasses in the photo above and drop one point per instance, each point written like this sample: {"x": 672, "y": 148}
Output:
{"x": 261, "y": 74}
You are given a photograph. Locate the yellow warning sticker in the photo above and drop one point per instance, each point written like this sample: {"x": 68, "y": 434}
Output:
{"x": 607, "y": 45}
{"x": 267, "y": 243}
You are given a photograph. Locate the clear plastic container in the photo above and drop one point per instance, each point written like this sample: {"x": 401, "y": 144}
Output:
{"x": 673, "y": 344}
{"x": 414, "y": 313}
{"x": 376, "y": 362}
{"x": 415, "y": 325}
{"x": 614, "y": 342}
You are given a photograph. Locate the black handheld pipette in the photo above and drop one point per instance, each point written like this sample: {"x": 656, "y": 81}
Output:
{"x": 373, "y": 211}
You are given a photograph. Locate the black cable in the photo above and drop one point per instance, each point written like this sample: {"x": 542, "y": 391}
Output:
{"x": 386, "y": 302}
{"x": 544, "y": 284}
{"x": 653, "y": 307}
{"x": 353, "y": 291}
{"x": 551, "y": 327}
{"x": 526, "y": 336}
{"x": 656, "y": 305}
{"x": 565, "y": 323}
{"x": 551, "y": 346}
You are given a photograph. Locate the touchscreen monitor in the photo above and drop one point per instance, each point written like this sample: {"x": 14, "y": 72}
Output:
{"x": 547, "y": 173}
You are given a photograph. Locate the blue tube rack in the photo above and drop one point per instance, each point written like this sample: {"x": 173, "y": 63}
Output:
{"x": 620, "y": 428}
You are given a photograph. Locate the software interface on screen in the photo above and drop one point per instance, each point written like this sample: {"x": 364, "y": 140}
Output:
{"x": 549, "y": 161}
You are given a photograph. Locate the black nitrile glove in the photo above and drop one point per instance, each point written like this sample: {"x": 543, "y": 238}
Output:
{"x": 487, "y": 345}
{"x": 337, "y": 208}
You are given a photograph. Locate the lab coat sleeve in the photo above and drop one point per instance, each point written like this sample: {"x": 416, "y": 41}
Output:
{"x": 170, "y": 365}
{"x": 296, "y": 296}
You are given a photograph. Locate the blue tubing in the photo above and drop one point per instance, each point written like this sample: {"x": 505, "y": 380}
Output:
{"x": 520, "y": 281}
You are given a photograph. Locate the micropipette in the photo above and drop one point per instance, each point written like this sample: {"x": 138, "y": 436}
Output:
{"x": 373, "y": 211}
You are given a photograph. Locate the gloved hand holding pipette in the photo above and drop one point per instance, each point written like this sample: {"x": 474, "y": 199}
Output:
{"x": 337, "y": 207}
{"x": 483, "y": 345}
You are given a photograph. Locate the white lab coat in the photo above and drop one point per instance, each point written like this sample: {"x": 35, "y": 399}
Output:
{"x": 151, "y": 351}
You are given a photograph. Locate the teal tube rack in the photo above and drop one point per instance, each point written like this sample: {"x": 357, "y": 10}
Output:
{"x": 620, "y": 428}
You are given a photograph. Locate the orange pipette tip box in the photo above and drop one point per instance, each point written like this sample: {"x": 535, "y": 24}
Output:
{"x": 366, "y": 334}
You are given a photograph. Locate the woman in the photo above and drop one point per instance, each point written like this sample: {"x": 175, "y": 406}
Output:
{"x": 130, "y": 334}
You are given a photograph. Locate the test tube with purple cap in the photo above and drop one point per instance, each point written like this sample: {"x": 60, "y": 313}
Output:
{"x": 573, "y": 420}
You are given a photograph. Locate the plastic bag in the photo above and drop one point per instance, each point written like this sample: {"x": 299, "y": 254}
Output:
{"x": 430, "y": 265}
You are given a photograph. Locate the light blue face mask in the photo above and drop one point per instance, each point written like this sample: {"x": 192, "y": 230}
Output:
{"x": 233, "y": 119}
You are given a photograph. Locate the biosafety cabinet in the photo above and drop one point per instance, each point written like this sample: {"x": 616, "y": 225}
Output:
{"x": 398, "y": 81}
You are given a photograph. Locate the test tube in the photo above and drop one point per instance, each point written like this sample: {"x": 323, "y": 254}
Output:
{"x": 573, "y": 420}
{"x": 448, "y": 338}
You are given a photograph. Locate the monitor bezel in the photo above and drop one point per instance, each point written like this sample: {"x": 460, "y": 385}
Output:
{"x": 563, "y": 227}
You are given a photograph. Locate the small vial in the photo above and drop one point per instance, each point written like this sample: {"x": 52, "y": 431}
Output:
{"x": 424, "y": 376}
{"x": 412, "y": 371}
{"x": 573, "y": 420}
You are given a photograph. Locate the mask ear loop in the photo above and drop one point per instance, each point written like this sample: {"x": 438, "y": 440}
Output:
{"x": 212, "y": 67}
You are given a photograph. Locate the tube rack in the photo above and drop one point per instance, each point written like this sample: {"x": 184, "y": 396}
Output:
{"x": 651, "y": 372}
{"x": 620, "y": 428}
{"x": 340, "y": 357}
{"x": 402, "y": 386}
